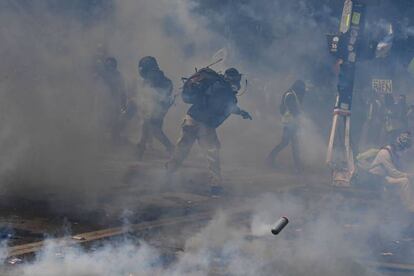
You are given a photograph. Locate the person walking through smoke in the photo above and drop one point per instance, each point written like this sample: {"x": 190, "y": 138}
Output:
{"x": 213, "y": 99}
{"x": 160, "y": 89}
{"x": 290, "y": 108}
{"x": 117, "y": 105}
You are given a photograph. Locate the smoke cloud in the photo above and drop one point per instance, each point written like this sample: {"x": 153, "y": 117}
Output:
{"x": 55, "y": 145}
{"x": 316, "y": 242}
{"x": 54, "y": 107}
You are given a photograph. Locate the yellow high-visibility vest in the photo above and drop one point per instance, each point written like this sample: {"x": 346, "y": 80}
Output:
{"x": 288, "y": 118}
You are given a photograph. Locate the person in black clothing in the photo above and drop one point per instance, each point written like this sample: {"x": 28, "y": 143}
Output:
{"x": 118, "y": 97}
{"x": 290, "y": 108}
{"x": 205, "y": 115}
{"x": 403, "y": 110}
{"x": 394, "y": 124}
{"x": 374, "y": 124}
{"x": 160, "y": 88}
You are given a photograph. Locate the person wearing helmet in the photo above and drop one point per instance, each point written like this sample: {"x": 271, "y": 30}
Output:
{"x": 234, "y": 78}
{"x": 387, "y": 167}
{"x": 159, "y": 89}
{"x": 117, "y": 103}
{"x": 205, "y": 115}
{"x": 290, "y": 109}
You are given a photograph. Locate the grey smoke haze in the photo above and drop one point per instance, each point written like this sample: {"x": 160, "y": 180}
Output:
{"x": 53, "y": 105}
{"x": 52, "y": 139}
{"x": 316, "y": 242}
{"x": 52, "y": 135}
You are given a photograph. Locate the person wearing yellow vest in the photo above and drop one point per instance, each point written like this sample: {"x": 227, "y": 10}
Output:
{"x": 387, "y": 168}
{"x": 290, "y": 108}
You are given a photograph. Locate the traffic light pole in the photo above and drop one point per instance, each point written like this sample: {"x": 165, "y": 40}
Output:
{"x": 345, "y": 46}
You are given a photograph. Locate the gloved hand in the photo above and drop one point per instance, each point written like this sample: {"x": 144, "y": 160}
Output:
{"x": 245, "y": 115}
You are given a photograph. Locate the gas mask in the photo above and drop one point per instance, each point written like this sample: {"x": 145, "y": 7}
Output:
{"x": 235, "y": 87}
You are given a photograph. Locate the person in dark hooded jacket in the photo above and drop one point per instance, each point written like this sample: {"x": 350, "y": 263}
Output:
{"x": 205, "y": 115}
{"x": 117, "y": 103}
{"x": 161, "y": 100}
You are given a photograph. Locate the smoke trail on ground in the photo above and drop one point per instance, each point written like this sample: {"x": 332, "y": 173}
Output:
{"x": 315, "y": 243}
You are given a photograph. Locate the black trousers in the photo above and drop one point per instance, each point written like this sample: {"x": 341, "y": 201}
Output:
{"x": 152, "y": 128}
{"x": 290, "y": 136}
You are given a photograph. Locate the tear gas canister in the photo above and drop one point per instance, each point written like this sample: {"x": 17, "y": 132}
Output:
{"x": 279, "y": 225}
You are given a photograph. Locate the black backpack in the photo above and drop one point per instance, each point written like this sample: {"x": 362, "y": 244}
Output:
{"x": 194, "y": 87}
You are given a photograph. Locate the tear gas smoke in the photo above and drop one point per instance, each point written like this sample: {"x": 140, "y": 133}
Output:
{"x": 54, "y": 138}
{"x": 53, "y": 107}
{"x": 322, "y": 246}
{"x": 54, "y": 141}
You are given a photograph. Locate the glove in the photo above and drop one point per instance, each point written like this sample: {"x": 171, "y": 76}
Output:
{"x": 245, "y": 115}
{"x": 124, "y": 110}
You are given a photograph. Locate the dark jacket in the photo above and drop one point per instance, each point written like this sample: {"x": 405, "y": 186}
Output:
{"x": 292, "y": 103}
{"x": 116, "y": 85}
{"x": 216, "y": 105}
{"x": 162, "y": 88}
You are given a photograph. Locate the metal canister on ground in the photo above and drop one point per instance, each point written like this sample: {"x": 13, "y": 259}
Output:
{"x": 280, "y": 224}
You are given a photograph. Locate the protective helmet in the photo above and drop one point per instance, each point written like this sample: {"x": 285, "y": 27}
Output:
{"x": 232, "y": 74}
{"x": 111, "y": 63}
{"x": 404, "y": 140}
{"x": 234, "y": 77}
{"x": 299, "y": 86}
{"x": 147, "y": 64}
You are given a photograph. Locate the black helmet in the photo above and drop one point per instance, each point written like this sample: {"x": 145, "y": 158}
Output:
{"x": 404, "y": 140}
{"x": 234, "y": 77}
{"x": 299, "y": 86}
{"x": 111, "y": 63}
{"x": 232, "y": 74}
{"x": 147, "y": 64}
